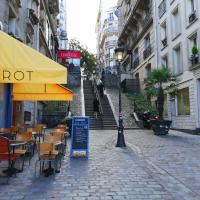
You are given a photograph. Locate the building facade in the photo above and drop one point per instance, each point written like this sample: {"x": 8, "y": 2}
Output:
{"x": 34, "y": 23}
{"x": 177, "y": 27}
{"x": 136, "y": 36}
{"x": 62, "y": 25}
{"x": 107, "y": 35}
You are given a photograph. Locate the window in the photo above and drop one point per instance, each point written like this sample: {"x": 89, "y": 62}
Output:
{"x": 162, "y": 8}
{"x": 192, "y": 41}
{"x": 147, "y": 47}
{"x": 164, "y": 61}
{"x": 147, "y": 41}
{"x": 12, "y": 26}
{"x": 135, "y": 54}
{"x": 176, "y": 23}
{"x": 163, "y": 32}
{"x": 178, "y": 68}
{"x": 110, "y": 17}
{"x": 136, "y": 60}
{"x": 111, "y": 52}
{"x": 110, "y": 27}
{"x": 183, "y": 102}
{"x": 191, "y": 10}
{"x": 147, "y": 70}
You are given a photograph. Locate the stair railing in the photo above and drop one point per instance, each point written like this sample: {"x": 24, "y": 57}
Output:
{"x": 96, "y": 92}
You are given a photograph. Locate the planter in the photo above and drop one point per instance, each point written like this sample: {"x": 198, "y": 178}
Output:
{"x": 161, "y": 127}
{"x": 195, "y": 60}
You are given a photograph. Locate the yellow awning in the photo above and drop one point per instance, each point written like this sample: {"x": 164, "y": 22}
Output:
{"x": 41, "y": 92}
{"x": 22, "y": 64}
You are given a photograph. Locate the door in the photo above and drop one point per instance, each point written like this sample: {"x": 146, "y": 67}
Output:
{"x": 173, "y": 112}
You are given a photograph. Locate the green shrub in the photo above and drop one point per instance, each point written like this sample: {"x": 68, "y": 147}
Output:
{"x": 140, "y": 103}
{"x": 194, "y": 50}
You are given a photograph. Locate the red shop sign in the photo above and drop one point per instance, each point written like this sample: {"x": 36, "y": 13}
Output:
{"x": 68, "y": 54}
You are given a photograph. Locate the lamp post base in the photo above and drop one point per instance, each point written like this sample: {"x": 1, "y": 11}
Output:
{"x": 120, "y": 140}
{"x": 120, "y": 137}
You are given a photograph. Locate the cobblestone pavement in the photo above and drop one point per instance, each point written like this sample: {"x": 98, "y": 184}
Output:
{"x": 127, "y": 108}
{"x": 151, "y": 167}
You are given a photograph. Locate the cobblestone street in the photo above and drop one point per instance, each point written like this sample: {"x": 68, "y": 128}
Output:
{"x": 151, "y": 167}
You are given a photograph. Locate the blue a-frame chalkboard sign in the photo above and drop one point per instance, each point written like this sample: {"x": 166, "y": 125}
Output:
{"x": 80, "y": 135}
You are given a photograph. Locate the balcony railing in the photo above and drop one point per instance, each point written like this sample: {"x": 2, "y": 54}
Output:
{"x": 136, "y": 62}
{"x": 192, "y": 16}
{"x": 147, "y": 52}
{"x": 164, "y": 42}
{"x": 162, "y": 8}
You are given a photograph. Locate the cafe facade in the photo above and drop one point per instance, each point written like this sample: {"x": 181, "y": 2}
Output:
{"x": 27, "y": 75}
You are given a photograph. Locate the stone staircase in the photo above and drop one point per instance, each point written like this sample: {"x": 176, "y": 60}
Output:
{"x": 107, "y": 120}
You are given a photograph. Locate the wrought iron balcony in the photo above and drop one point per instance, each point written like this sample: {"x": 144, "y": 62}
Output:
{"x": 192, "y": 16}
{"x": 164, "y": 42}
{"x": 147, "y": 52}
{"x": 33, "y": 17}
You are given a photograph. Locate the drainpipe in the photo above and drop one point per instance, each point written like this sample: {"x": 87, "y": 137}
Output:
{"x": 155, "y": 27}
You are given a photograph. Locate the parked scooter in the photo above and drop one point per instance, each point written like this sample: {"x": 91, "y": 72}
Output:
{"x": 147, "y": 117}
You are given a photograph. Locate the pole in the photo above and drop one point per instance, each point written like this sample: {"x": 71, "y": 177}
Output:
{"x": 120, "y": 137}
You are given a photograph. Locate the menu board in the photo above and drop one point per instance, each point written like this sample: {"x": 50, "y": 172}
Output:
{"x": 80, "y": 135}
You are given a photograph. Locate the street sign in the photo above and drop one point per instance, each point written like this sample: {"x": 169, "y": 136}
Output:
{"x": 80, "y": 135}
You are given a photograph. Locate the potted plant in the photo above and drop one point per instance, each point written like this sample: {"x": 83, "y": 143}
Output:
{"x": 155, "y": 87}
{"x": 195, "y": 56}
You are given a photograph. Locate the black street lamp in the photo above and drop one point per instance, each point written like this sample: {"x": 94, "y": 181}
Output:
{"x": 119, "y": 54}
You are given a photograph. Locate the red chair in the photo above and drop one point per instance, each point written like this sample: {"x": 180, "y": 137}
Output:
{"x": 6, "y": 155}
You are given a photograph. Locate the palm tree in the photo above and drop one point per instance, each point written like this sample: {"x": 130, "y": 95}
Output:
{"x": 155, "y": 83}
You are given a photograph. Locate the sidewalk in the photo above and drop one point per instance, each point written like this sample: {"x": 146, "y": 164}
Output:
{"x": 151, "y": 167}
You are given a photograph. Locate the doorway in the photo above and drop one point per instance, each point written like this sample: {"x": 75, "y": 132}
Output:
{"x": 173, "y": 112}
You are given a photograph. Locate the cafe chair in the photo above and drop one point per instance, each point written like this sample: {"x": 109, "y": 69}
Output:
{"x": 21, "y": 153}
{"x": 6, "y": 155}
{"x": 58, "y": 144}
{"x": 14, "y": 131}
{"x": 36, "y": 132}
{"x": 47, "y": 155}
{"x": 29, "y": 147}
{"x": 62, "y": 137}
{"x": 64, "y": 132}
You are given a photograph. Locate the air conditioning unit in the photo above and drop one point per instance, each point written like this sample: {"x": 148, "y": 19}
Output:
{"x": 192, "y": 17}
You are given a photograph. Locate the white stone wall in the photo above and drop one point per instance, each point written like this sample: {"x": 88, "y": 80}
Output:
{"x": 187, "y": 78}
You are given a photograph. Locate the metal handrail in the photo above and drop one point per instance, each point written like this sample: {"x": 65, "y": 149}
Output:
{"x": 94, "y": 84}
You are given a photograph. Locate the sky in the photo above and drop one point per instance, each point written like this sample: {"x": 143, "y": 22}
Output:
{"x": 81, "y": 20}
